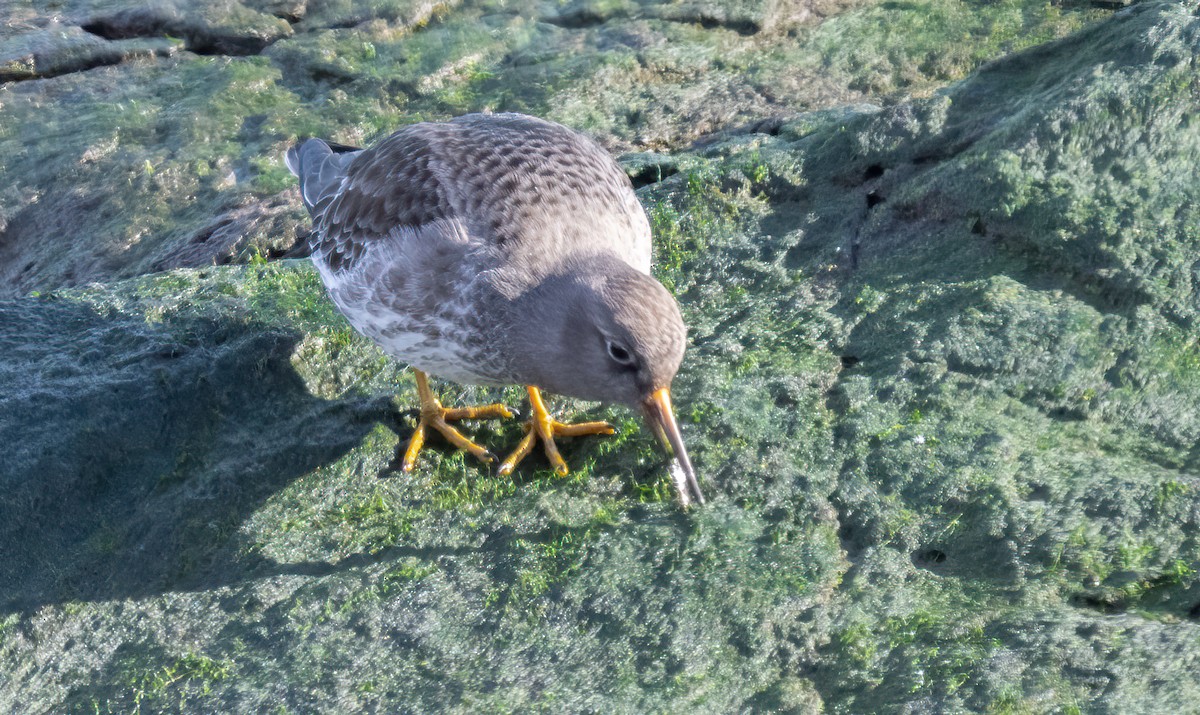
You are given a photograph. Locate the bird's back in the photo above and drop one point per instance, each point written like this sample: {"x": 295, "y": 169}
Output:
{"x": 424, "y": 238}
{"x": 534, "y": 190}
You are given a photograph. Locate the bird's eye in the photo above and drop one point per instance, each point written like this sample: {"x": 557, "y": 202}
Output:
{"x": 619, "y": 354}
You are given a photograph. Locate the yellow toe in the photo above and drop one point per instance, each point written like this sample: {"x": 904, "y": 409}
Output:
{"x": 541, "y": 426}
{"x": 435, "y": 416}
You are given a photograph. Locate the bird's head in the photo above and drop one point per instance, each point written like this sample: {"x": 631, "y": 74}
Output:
{"x": 607, "y": 332}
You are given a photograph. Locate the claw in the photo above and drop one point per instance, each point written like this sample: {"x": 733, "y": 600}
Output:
{"x": 541, "y": 425}
{"x": 434, "y": 416}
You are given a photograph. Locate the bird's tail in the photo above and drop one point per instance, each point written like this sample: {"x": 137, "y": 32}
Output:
{"x": 320, "y": 166}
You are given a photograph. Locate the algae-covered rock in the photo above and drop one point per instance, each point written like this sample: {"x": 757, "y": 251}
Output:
{"x": 57, "y": 49}
{"x": 139, "y": 174}
{"x": 940, "y": 388}
{"x": 137, "y": 123}
{"x": 123, "y": 498}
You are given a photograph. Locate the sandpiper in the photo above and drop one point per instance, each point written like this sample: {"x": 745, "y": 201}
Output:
{"x": 499, "y": 249}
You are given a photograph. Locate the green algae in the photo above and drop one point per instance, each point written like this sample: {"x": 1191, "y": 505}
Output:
{"x": 140, "y": 153}
{"x": 941, "y": 402}
{"x": 181, "y": 145}
{"x": 526, "y": 555}
{"x": 910, "y": 48}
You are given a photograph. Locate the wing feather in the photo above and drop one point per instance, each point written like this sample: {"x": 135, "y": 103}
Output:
{"x": 533, "y": 188}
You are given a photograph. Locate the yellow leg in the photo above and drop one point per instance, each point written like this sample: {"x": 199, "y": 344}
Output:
{"x": 433, "y": 415}
{"x": 542, "y": 426}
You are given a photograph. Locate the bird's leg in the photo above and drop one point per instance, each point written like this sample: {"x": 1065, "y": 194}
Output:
{"x": 433, "y": 415}
{"x": 542, "y": 426}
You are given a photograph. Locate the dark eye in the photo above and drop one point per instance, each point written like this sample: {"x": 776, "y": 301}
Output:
{"x": 619, "y": 354}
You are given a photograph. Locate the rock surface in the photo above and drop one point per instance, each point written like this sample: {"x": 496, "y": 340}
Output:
{"x": 940, "y": 272}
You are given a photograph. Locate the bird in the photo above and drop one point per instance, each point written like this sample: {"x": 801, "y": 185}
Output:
{"x": 499, "y": 249}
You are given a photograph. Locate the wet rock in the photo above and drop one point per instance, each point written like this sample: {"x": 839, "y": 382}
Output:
{"x": 940, "y": 388}
{"x": 291, "y": 10}
{"x": 398, "y": 14}
{"x": 135, "y": 160}
{"x": 265, "y": 229}
{"x": 227, "y": 28}
{"x": 746, "y": 18}
{"x": 102, "y": 156}
{"x": 59, "y": 49}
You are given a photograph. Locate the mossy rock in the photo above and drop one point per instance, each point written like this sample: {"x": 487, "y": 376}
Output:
{"x": 143, "y": 130}
{"x": 940, "y": 391}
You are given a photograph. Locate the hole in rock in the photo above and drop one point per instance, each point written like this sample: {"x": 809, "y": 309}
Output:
{"x": 651, "y": 174}
{"x": 929, "y": 557}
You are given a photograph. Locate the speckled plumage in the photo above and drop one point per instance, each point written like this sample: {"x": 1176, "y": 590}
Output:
{"x": 426, "y": 240}
{"x": 498, "y": 249}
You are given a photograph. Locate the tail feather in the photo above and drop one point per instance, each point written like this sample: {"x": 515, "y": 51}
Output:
{"x": 320, "y": 166}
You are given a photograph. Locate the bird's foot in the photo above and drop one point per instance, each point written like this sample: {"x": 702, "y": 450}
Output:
{"x": 542, "y": 426}
{"x": 435, "y": 416}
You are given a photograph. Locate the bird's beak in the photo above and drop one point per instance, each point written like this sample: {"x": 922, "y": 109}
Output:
{"x": 661, "y": 418}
